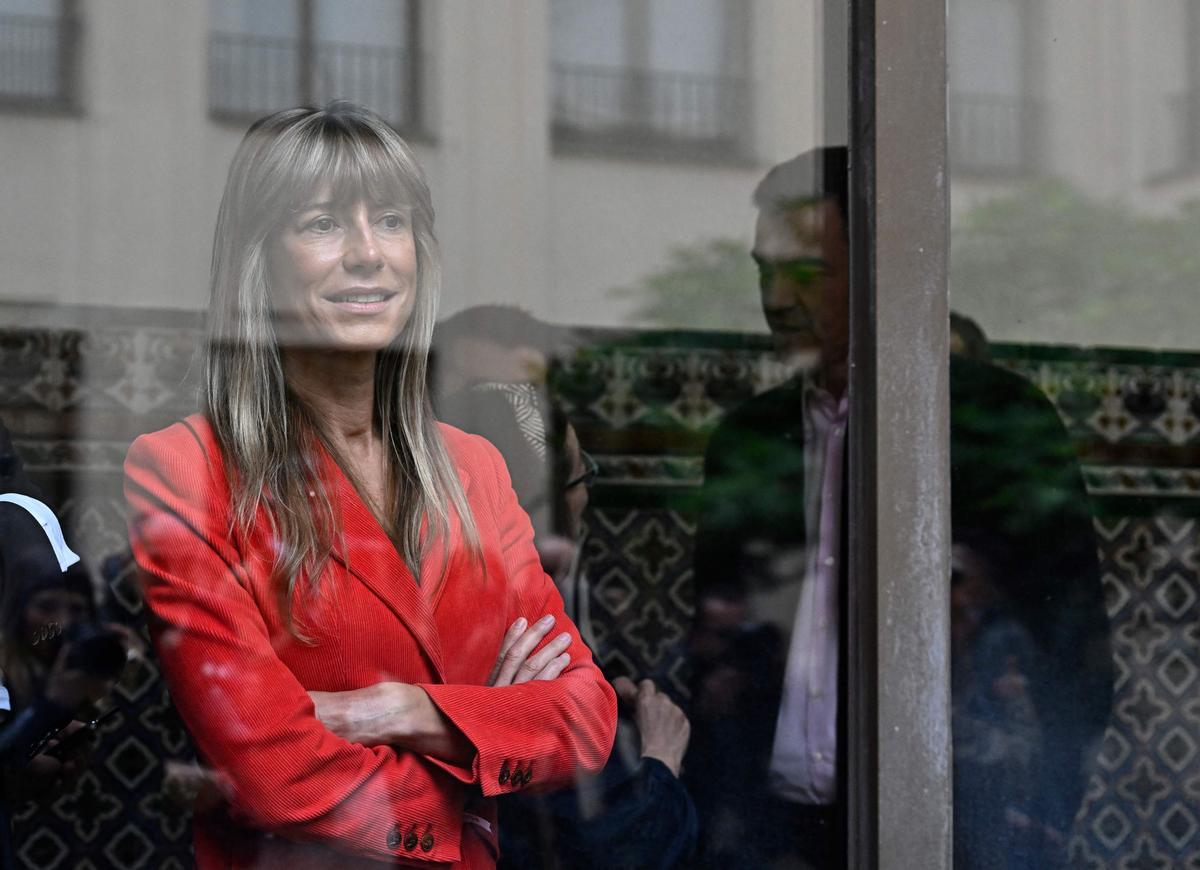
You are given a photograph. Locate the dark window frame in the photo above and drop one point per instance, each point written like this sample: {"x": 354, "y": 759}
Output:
{"x": 900, "y": 800}
{"x": 67, "y": 38}
{"x": 414, "y": 116}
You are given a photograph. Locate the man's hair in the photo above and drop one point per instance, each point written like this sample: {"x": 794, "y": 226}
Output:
{"x": 974, "y": 339}
{"x": 505, "y": 325}
{"x": 822, "y": 173}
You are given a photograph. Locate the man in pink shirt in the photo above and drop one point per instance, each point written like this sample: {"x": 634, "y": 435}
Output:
{"x": 766, "y": 765}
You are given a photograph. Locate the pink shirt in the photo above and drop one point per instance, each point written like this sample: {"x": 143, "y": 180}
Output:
{"x": 803, "y": 759}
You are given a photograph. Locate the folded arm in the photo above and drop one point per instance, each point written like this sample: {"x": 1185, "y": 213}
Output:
{"x": 536, "y": 734}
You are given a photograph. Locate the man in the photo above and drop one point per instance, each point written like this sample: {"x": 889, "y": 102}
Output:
{"x": 767, "y": 767}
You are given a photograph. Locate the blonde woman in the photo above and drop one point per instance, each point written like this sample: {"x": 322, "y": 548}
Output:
{"x": 345, "y": 596}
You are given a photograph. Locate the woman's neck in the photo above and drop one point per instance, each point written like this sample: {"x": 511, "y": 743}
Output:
{"x": 339, "y": 387}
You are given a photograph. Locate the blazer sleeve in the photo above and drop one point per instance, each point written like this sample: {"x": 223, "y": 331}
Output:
{"x": 251, "y": 719}
{"x": 537, "y": 735}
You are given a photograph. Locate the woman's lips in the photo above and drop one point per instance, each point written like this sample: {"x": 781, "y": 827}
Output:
{"x": 361, "y": 301}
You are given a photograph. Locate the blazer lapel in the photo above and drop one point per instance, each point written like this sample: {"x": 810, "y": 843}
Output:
{"x": 367, "y": 553}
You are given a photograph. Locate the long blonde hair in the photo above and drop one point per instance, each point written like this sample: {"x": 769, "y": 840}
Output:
{"x": 270, "y": 440}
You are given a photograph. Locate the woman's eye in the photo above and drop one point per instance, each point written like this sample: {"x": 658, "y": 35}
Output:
{"x": 392, "y": 221}
{"x": 322, "y": 224}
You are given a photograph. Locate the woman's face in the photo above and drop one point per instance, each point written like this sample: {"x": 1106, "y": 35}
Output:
{"x": 343, "y": 275}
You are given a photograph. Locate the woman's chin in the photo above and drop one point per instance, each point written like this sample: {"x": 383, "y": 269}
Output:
{"x": 372, "y": 339}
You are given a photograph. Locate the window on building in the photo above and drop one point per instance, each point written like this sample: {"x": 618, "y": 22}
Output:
{"x": 38, "y": 47}
{"x": 993, "y": 118}
{"x": 1171, "y": 79}
{"x": 270, "y": 54}
{"x": 650, "y": 75}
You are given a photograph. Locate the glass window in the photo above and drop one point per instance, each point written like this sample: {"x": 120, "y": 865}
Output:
{"x": 223, "y": 366}
{"x": 650, "y": 75}
{"x": 269, "y": 55}
{"x": 38, "y": 40}
{"x": 1075, "y": 637}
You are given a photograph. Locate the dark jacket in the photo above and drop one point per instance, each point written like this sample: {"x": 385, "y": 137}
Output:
{"x": 1017, "y": 496}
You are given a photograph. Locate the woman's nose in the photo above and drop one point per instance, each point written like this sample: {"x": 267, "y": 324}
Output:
{"x": 362, "y": 250}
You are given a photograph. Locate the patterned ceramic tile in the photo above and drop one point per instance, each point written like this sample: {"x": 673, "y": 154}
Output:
{"x": 646, "y": 406}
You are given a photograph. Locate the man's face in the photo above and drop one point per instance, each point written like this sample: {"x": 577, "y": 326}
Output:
{"x": 803, "y": 267}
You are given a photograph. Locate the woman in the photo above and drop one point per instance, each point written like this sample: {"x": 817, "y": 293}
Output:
{"x": 330, "y": 572}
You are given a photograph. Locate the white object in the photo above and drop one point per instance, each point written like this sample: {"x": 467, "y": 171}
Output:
{"x": 49, "y": 523}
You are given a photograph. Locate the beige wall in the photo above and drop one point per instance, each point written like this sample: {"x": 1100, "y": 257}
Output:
{"x": 115, "y": 206}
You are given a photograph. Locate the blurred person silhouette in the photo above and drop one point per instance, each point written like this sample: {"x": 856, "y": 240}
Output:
{"x": 57, "y": 660}
{"x": 344, "y": 594}
{"x": 635, "y": 813}
{"x": 771, "y": 561}
{"x": 967, "y": 338}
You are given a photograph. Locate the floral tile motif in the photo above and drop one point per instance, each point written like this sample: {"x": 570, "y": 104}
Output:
{"x": 645, "y": 406}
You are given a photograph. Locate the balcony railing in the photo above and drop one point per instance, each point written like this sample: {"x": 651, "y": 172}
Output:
{"x": 615, "y": 107}
{"x": 992, "y": 135}
{"x": 36, "y": 57}
{"x": 252, "y": 75}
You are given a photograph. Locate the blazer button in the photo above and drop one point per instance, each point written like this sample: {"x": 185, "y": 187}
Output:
{"x": 528, "y": 776}
{"x": 410, "y": 839}
{"x": 518, "y": 777}
{"x": 504, "y": 772}
{"x": 427, "y": 840}
{"x": 393, "y": 837}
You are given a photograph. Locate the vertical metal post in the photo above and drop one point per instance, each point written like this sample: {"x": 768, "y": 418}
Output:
{"x": 413, "y": 120}
{"x": 898, "y": 636}
{"x": 307, "y": 43}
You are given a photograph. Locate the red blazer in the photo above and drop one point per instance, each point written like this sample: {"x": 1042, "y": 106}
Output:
{"x": 299, "y": 796}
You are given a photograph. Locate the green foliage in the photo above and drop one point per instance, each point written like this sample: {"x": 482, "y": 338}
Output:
{"x": 1047, "y": 264}
{"x": 709, "y": 285}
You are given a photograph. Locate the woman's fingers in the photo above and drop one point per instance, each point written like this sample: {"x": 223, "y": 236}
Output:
{"x": 510, "y": 637}
{"x": 556, "y": 667}
{"x": 535, "y": 665}
{"x": 520, "y": 650}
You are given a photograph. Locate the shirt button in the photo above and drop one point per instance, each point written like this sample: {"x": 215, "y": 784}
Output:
{"x": 829, "y": 560}
{"x": 818, "y": 756}
{"x": 393, "y": 837}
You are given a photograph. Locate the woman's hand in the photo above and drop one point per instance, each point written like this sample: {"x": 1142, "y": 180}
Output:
{"x": 517, "y": 663}
{"x": 402, "y": 715}
{"x": 663, "y": 725}
{"x": 393, "y": 714}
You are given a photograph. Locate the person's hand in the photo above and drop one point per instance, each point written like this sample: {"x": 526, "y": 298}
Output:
{"x": 367, "y": 716}
{"x": 42, "y": 778}
{"x": 393, "y": 714}
{"x": 517, "y": 662}
{"x": 190, "y": 785}
{"x": 663, "y": 725}
{"x": 70, "y": 688}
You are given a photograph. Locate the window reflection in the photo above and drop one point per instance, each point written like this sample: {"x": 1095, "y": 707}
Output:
{"x": 1081, "y": 276}
{"x": 642, "y": 251}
